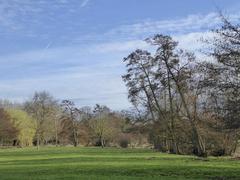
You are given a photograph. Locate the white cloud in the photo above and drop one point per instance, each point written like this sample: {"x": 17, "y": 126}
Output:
{"x": 191, "y": 23}
{"x": 69, "y": 54}
{"x": 69, "y": 72}
{"x": 124, "y": 46}
{"x": 86, "y": 88}
{"x": 16, "y": 15}
{"x": 193, "y": 41}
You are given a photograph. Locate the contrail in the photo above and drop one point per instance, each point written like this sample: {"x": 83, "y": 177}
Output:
{"x": 46, "y": 48}
{"x": 84, "y": 3}
{"x": 48, "y": 45}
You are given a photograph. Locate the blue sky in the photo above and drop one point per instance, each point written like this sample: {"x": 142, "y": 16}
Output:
{"x": 74, "y": 48}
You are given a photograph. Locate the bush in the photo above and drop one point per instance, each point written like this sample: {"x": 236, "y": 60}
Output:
{"x": 124, "y": 141}
{"x": 218, "y": 152}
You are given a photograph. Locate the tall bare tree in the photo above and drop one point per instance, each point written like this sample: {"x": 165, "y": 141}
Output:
{"x": 42, "y": 108}
{"x": 72, "y": 115}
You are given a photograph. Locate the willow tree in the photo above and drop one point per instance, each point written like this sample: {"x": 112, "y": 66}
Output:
{"x": 25, "y": 125}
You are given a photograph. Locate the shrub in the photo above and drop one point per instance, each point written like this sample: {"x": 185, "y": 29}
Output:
{"x": 124, "y": 141}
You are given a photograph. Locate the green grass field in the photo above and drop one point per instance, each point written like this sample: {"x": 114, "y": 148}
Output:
{"x": 109, "y": 163}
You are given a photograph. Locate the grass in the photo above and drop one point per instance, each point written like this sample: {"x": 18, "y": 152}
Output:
{"x": 110, "y": 163}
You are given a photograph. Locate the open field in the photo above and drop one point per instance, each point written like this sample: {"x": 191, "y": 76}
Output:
{"x": 97, "y": 163}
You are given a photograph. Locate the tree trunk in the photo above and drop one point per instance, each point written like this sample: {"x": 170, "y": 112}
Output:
{"x": 172, "y": 128}
{"x": 198, "y": 148}
{"x": 56, "y": 133}
{"x": 38, "y": 141}
{"x": 102, "y": 142}
{"x": 75, "y": 141}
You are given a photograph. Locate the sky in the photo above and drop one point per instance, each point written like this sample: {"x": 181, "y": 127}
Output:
{"x": 74, "y": 48}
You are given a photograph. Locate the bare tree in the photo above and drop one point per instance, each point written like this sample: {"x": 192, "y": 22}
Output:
{"x": 41, "y": 107}
{"x": 222, "y": 79}
{"x": 72, "y": 115}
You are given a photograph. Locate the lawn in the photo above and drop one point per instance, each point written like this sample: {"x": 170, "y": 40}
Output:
{"x": 110, "y": 163}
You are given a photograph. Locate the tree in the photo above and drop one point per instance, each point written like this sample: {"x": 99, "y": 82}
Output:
{"x": 170, "y": 58}
{"x": 100, "y": 124}
{"x": 42, "y": 108}
{"x": 143, "y": 87}
{"x": 72, "y": 117}
{"x": 222, "y": 80}
{"x": 25, "y": 125}
{"x": 160, "y": 83}
{"x": 8, "y": 132}
{"x": 141, "y": 84}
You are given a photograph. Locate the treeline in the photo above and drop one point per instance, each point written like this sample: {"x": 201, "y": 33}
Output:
{"x": 191, "y": 105}
{"x": 43, "y": 120}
